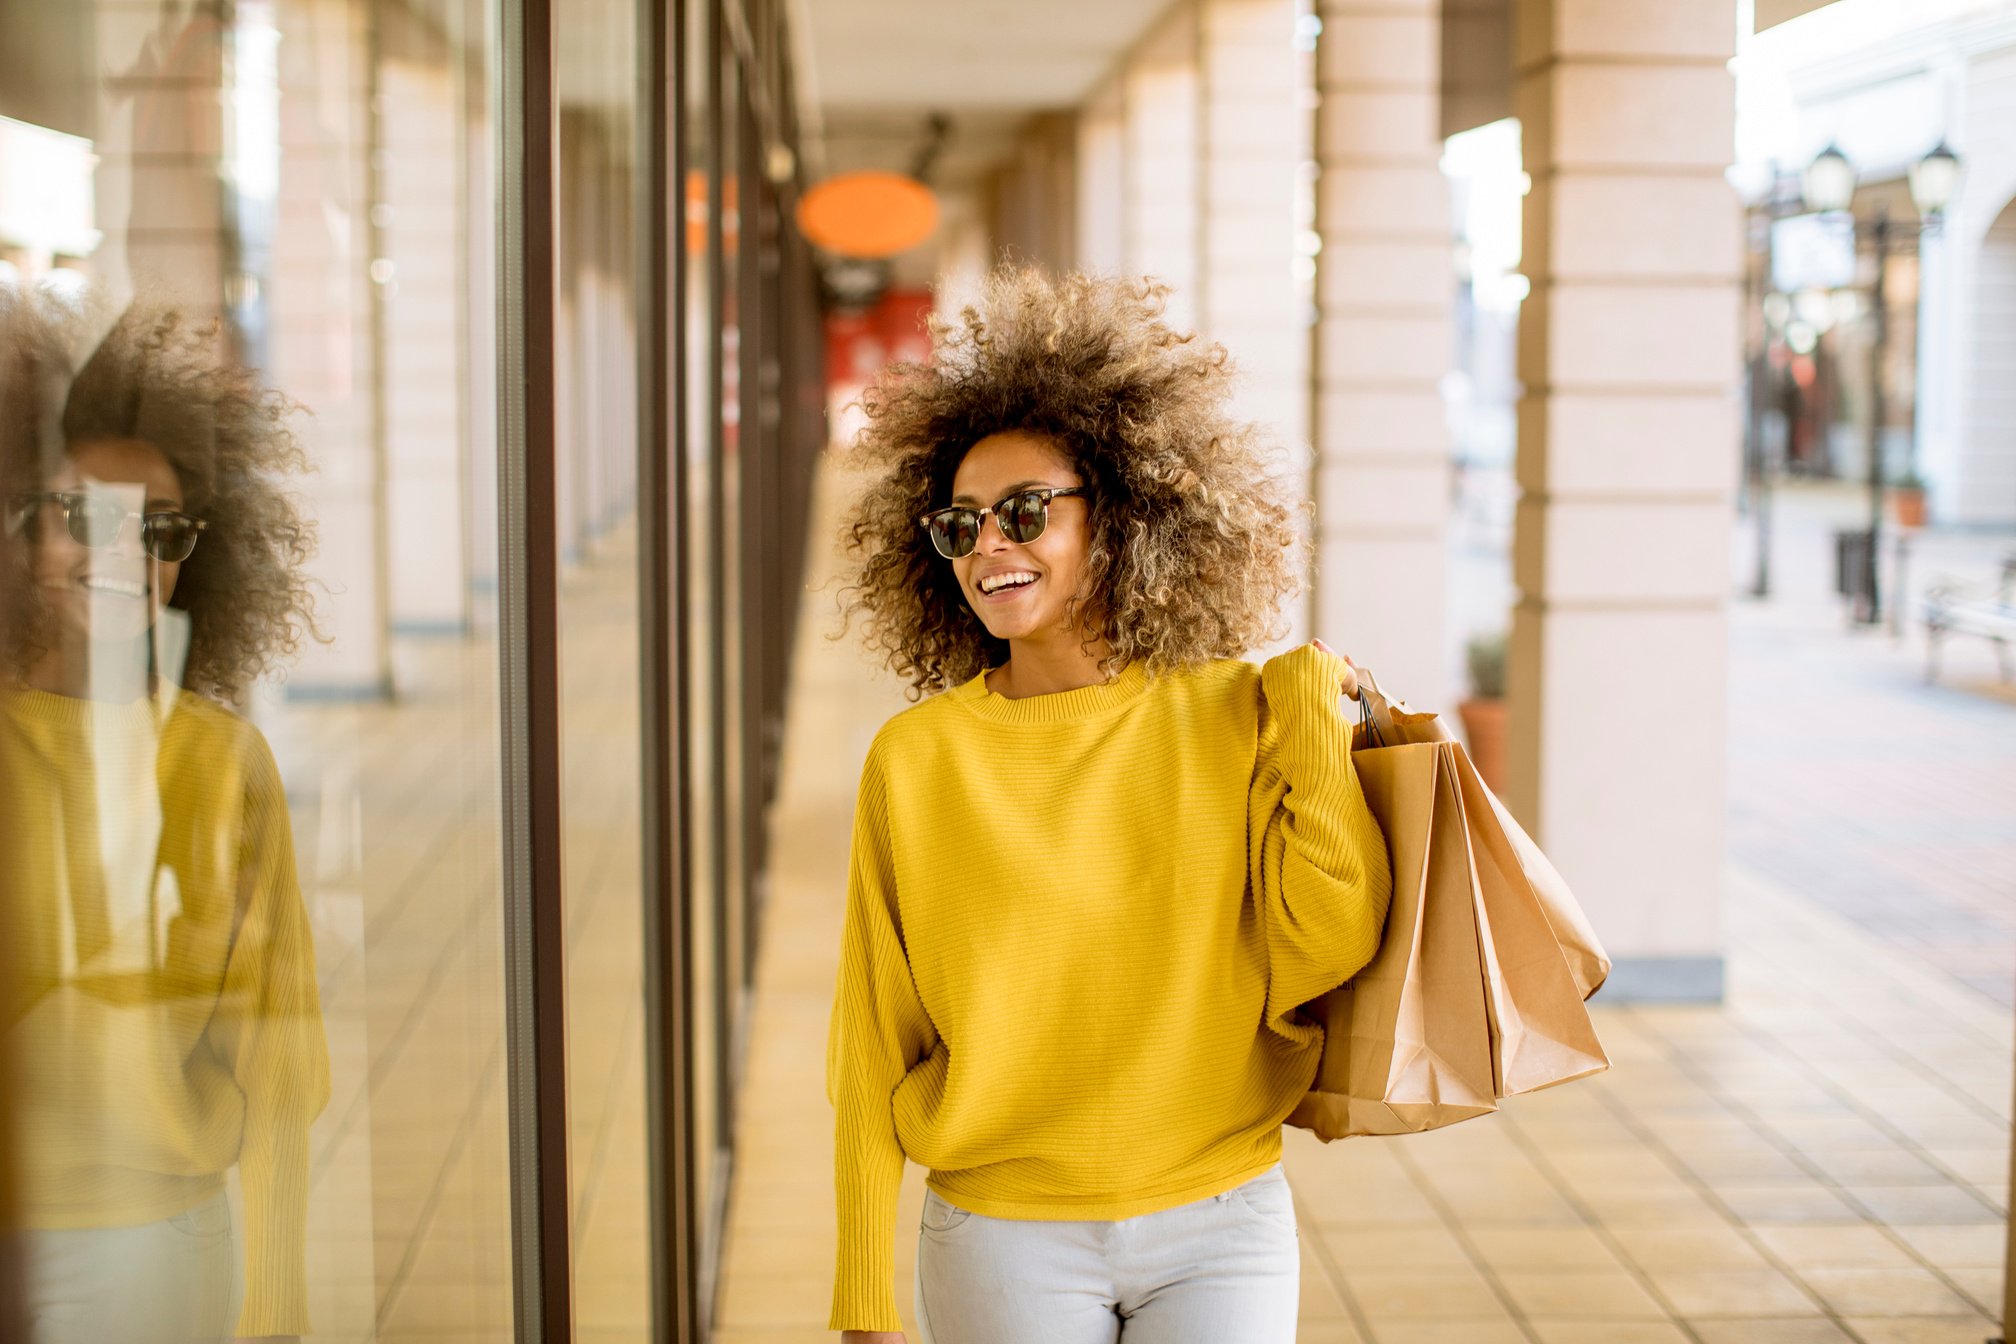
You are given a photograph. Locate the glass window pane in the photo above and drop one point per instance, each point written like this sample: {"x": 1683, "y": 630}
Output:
{"x": 253, "y": 963}
{"x": 596, "y": 402}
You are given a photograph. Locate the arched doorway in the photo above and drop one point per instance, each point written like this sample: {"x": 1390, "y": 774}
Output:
{"x": 1986, "y": 489}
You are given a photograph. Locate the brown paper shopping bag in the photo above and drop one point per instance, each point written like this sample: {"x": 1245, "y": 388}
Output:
{"x": 1477, "y": 989}
{"x": 1407, "y": 1042}
{"x": 1540, "y": 1030}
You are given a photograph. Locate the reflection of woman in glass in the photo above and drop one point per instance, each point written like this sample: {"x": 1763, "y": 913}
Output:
{"x": 1096, "y": 875}
{"x": 164, "y": 1022}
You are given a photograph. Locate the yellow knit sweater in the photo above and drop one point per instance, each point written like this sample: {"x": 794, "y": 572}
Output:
{"x": 161, "y": 1011}
{"x": 1078, "y": 928}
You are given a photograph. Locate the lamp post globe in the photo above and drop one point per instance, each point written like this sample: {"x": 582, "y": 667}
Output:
{"x": 1934, "y": 179}
{"x": 1829, "y": 181}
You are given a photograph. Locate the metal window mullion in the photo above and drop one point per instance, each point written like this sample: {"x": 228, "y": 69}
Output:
{"x": 717, "y": 573}
{"x": 529, "y": 672}
{"x": 756, "y": 609}
{"x": 659, "y": 287}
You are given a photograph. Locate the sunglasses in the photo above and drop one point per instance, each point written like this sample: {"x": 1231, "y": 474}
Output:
{"x": 1021, "y": 517}
{"x": 96, "y": 521}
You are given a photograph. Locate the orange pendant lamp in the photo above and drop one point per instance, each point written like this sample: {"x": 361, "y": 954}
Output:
{"x": 869, "y": 215}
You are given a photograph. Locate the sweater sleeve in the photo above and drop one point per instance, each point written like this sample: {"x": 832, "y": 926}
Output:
{"x": 879, "y": 1031}
{"x": 270, "y": 1023}
{"x": 1319, "y": 868}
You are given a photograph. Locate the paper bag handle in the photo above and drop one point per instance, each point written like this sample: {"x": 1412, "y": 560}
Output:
{"x": 1374, "y": 716}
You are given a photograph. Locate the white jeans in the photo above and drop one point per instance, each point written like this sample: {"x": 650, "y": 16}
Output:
{"x": 172, "y": 1282}
{"x": 1224, "y": 1270}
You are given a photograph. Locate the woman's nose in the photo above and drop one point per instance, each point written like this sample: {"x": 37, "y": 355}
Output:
{"x": 1000, "y": 538}
{"x": 125, "y": 544}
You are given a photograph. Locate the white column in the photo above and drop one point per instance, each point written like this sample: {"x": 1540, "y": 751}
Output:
{"x": 1384, "y": 285}
{"x": 1101, "y": 194}
{"x": 1628, "y": 431}
{"x": 421, "y": 226}
{"x": 160, "y": 145}
{"x": 1254, "y": 142}
{"x": 1159, "y": 230}
{"x": 321, "y": 344}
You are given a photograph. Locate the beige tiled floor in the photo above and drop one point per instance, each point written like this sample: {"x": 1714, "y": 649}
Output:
{"x": 394, "y": 808}
{"x": 1822, "y": 1158}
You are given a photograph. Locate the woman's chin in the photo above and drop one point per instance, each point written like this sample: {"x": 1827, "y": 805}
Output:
{"x": 1004, "y": 626}
{"x": 121, "y": 623}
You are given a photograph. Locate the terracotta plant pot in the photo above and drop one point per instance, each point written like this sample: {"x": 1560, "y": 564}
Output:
{"x": 1907, "y": 505}
{"x": 1484, "y": 732}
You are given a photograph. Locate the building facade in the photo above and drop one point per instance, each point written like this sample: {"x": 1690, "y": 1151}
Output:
{"x": 1886, "y": 84}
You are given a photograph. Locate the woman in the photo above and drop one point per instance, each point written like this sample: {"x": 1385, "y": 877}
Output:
{"x": 161, "y": 1011}
{"x": 1094, "y": 877}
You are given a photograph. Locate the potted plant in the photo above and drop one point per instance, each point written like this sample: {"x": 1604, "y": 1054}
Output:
{"x": 1907, "y": 499}
{"x": 1483, "y": 713}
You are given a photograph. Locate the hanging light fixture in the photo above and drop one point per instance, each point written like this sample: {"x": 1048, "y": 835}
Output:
{"x": 1829, "y": 181}
{"x": 868, "y": 214}
{"x": 1933, "y": 180}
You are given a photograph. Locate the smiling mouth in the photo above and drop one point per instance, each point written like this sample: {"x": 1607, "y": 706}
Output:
{"x": 103, "y": 583}
{"x": 1008, "y": 591}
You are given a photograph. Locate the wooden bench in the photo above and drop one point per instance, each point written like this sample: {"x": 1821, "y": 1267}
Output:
{"x": 1972, "y": 609}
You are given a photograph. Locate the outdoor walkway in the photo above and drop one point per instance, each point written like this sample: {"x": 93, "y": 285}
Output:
{"x": 1821, "y": 1158}
{"x": 1855, "y": 782}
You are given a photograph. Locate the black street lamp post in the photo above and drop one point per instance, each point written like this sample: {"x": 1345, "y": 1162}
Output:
{"x": 1777, "y": 203}
{"x": 1830, "y": 189}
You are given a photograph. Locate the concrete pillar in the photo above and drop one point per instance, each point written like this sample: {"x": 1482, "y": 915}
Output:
{"x": 160, "y": 150}
{"x": 1628, "y": 431}
{"x": 1100, "y": 194}
{"x": 320, "y": 313}
{"x": 1254, "y": 124}
{"x": 421, "y": 223}
{"x": 1384, "y": 287}
{"x": 1163, "y": 161}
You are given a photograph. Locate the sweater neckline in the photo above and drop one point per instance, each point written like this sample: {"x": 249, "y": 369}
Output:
{"x": 1083, "y": 702}
{"x": 72, "y": 713}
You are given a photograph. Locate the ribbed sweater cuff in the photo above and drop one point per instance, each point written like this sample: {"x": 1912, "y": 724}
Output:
{"x": 864, "y": 1282}
{"x": 1305, "y": 688}
{"x": 274, "y": 1169}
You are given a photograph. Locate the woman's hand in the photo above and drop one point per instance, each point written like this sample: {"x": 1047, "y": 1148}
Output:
{"x": 871, "y": 1337}
{"x": 1351, "y": 676}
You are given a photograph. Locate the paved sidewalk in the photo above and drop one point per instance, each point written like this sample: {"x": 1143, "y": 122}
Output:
{"x": 1822, "y": 1158}
{"x": 1853, "y": 781}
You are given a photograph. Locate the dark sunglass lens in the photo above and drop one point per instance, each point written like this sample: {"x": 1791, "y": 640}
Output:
{"x": 1022, "y": 516}
{"x": 169, "y": 537}
{"x": 954, "y": 531}
{"x": 95, "y": 522}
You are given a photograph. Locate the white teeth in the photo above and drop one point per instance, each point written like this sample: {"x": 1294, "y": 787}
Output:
{"x": 993, "y": 583}
{"x": 98, "y": 583}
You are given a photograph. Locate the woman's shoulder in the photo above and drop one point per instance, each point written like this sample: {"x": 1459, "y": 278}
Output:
{"x": 1241, "y": 673}
{"x": 198, "y": 714}
{"x": 933, "y": 717}
{"x": 1215, "y": 679}
{"x": 202, "y": 734}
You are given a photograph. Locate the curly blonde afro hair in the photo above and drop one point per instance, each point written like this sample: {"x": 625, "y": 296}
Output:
{"x": 1193, "y": 543}
{"x": 161, "y": 377}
